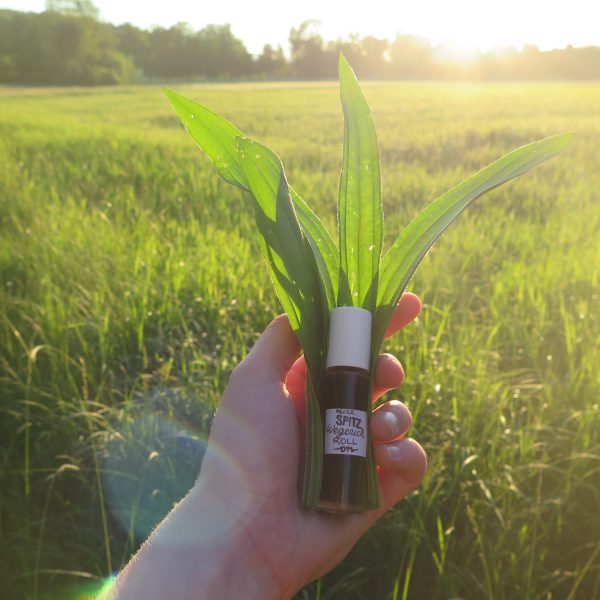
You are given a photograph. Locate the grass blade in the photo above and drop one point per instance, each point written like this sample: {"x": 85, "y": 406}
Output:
{"x": 401, "y": 261}
{"x": 217, "y": 139}
{"x": 360, "y": 212}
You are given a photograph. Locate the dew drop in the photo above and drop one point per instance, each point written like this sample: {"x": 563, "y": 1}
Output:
{"x": 371, "y": 248}
{"x": 257, "y": 156}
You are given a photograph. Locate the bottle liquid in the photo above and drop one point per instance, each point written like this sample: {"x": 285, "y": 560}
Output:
{"x": 344, "y": 400}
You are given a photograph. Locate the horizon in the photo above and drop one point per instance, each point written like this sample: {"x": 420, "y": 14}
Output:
{"x": 456, "y": 37}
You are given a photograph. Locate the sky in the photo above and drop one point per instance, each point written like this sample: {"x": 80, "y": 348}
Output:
{"x": 465, "y": 24}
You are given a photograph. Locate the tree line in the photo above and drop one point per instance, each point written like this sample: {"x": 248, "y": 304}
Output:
{"x": 68, "y": 45}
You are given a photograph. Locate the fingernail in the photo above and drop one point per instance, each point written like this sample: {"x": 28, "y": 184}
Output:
{"x": 394, "y": 452}
{"x": 391, "y": 420}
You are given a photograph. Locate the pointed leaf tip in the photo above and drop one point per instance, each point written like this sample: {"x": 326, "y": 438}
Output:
{"x": 563, "y": 139}
{"x": 360, "y": 214}
{"x": 170, "y": 94}
{"x": 345, "y": 68}
{"x": 402, "y": 259}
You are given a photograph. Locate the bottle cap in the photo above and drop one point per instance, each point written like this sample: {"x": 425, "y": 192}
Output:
{"x": 349, "y": 338}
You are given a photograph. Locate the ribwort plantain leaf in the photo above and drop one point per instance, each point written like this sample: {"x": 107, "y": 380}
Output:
{"x": 295, "y": 275}
{"x": 288, "y": 254}
{"x": 216, "y": 137}
{"x": 403, "y": 258}
{"x": 360, "y": 213}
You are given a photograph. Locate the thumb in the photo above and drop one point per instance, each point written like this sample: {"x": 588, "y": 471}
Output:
{"x": 275, "y": 351}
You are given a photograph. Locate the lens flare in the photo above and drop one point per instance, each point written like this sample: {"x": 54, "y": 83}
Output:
{"x": 97, "y": 590}
{"x": 148, "y": 466}
{"x": 152, "y": 462}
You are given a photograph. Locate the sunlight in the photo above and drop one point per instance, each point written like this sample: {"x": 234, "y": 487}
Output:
{"x": 456, "y": 51}
{"x": 464, "y": 25}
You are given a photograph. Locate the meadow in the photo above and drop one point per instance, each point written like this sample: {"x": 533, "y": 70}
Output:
{"x": 131, "y": 283}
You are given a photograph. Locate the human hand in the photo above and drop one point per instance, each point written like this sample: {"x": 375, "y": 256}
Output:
{"x": 240, "y": 532}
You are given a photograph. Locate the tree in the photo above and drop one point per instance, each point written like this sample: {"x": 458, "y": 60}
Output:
{"x": 310, "y": 58}
{"x": 373, "y": 60}
{"x": 134, "y": 43}
{"x": 211, "y": 52}
{"x": 411, "y": 58}
{"x": 218, "y": 53}
{"x": 67, "y": 45}
{"x": 73, "y": 8}
{"x": 169, "y": 52}
{"x": 271, "y": 62}
{"x": 51, "y": 48}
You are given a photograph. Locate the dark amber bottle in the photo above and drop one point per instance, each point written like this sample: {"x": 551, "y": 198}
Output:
{"x": 344, "y": 403}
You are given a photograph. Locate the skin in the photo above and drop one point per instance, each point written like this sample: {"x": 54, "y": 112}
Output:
{"x": 240, "y": 532}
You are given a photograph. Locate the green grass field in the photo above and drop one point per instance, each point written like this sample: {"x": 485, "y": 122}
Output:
{"x": 131, "y": 283}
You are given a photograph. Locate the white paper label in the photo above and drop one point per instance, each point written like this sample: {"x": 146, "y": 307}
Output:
{"x": 346, "y": 431}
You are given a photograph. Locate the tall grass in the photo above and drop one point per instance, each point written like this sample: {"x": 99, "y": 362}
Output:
{"x": 130, "y": 286}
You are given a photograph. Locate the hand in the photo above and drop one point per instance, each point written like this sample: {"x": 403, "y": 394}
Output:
{"x": 241, "y": 532}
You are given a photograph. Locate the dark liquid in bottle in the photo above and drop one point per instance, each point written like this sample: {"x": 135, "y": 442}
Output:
{"x": 344, "y": 480}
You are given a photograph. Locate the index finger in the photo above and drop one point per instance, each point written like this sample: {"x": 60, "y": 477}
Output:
{"x": 408, "y": 308}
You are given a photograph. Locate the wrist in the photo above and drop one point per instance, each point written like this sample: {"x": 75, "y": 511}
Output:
{"x": 232, "y": 564}
{"x": 201, "y": 550}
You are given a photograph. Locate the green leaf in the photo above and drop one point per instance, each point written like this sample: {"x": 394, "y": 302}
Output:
{"x": 360, "y": 213}
{"x": 295, "y": 275}
{"x": 289, "y": 257}
{"x": 214, "y": 135}
{"x": 217, "y": 139}
{"x": 401, "y": 261}
{"x": 324, "y": 249}
{"x": 313, "y": 449}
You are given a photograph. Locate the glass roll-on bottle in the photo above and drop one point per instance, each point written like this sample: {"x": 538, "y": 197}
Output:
{"x": 344, "y": 404}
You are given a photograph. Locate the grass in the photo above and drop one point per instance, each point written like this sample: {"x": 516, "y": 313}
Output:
{"x": 131, "y": 283}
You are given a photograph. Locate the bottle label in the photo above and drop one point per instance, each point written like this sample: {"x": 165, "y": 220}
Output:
{"x": 346, "y": 431}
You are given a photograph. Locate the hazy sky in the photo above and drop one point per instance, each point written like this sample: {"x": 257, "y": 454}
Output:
{"x": 466, "y": 23}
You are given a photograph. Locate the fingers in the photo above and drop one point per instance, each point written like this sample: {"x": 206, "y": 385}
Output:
{"x": 295, "y": 382}
{"x": 278, "y": 346}
{"x": 273, "y": 354}
{"x": 389, "y": 374}
{"x": 402, "y": 467}
{"x": 296, "y": 379}
{"x": 390, "y": 421}
{"x": 407, "y": 310}
{"x": 401, "y": 462}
